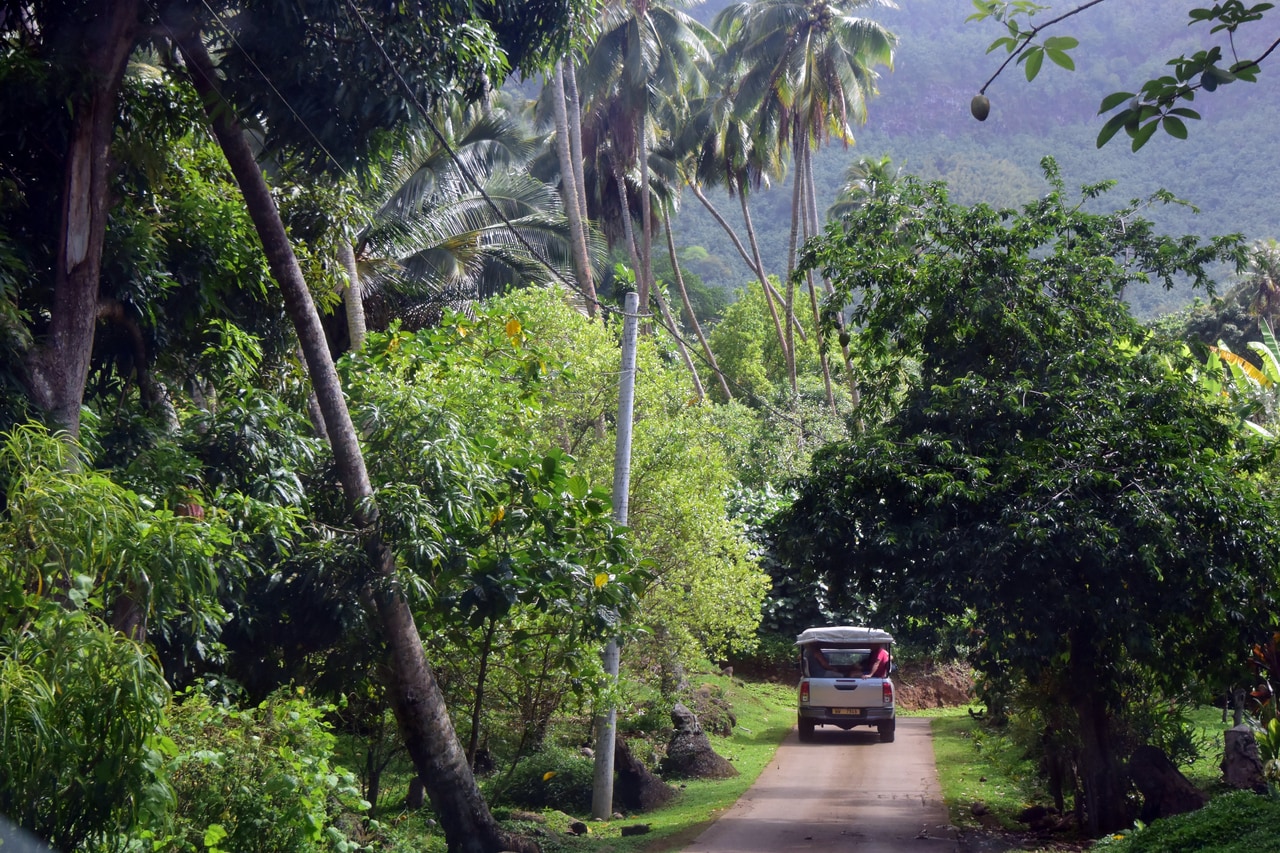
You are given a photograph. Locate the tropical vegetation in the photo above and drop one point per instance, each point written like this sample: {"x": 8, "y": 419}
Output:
{"x": 310, "y": 412}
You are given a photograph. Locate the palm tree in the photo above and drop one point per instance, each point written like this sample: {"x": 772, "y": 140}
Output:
{"x": 865, "y": 180}
{"x": 808, "y": 70}
{"x": 572, "y": 192}
{"x": 434, "y": 241}
{"x": 718, "y": 147}
{"x": 415, "y": 693}
{"x": 645, "y": 51}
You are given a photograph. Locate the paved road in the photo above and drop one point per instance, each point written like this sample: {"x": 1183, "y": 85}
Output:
{"x": 843, "y": 792}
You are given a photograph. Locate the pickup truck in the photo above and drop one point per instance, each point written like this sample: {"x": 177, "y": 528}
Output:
{"x": 837, "y": 687}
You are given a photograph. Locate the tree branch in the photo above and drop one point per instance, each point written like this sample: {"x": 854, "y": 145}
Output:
{"x": 1031, "y": 34}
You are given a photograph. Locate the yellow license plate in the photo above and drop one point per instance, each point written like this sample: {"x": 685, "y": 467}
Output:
{"x": 847, "y": 712}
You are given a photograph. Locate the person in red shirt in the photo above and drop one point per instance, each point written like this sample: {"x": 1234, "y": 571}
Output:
{"x": 877, "y": 665}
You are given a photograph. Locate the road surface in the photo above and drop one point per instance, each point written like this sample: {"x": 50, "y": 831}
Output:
{"x": 843, "y": 792}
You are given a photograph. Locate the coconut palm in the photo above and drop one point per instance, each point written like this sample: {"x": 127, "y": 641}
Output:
{"x": 433, "y": 241}
{"x": 645, "y": 51}
{"x": 808, "y": 70}
{"x": 720, "y": 147}
{"x": 572, "y": 192}
{"x": 865, "y": 180}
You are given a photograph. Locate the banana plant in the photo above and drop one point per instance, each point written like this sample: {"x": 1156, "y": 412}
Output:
{"x": 1256, "y": 389}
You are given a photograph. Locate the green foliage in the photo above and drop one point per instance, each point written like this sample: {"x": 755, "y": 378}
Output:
{"x": 485, "y": 526}
{"x": 73, "y": 531}
{"x": 747, "y": 349}
{"x": 508, "y": 547}
{"x": 1159, "y": 103}
{"x": 555, "y": 777}
{"x": 433, "y": 243}
{"x": 708, "y": 303}
{"x": 258, "y": 779}
{"x": 534, "y": 379}
{"x": 78, "y": 705}
{"x": 1052, "y": 470}
{"x": 1239, "y": 822}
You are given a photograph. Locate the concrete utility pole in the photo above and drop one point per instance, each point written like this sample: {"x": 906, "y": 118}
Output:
{"x": 606, "y": 723}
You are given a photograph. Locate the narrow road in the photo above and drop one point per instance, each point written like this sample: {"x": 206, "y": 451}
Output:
{"x": 843, "y": 792}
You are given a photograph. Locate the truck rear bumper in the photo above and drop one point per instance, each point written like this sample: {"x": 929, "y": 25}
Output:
{"x": 833, "y": 717}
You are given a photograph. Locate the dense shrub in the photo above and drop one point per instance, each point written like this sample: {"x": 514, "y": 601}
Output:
{"x": 78, "y": 703}
{"x": 260, "y": 779}
{"x": 553, "y": 778}
{"x": 1239, "y": 822}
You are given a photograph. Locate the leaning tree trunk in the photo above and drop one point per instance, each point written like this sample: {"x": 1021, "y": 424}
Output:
{"x": 794, "y": 328}
{"x": 855, "y": 393}
{"x": 674, "y": 328}
{"x": 415, "y": 696}
{"x": 571, "y": 193}
{"x": 353, "y": 299}
{"x": 58, "y": 367}
{"x": 628, "y": 229}
{"x": 688, "y": 307}
{"x": 574, "y": 106}
{"x": 756, "y": 266}
{"x": 800, "y": 219}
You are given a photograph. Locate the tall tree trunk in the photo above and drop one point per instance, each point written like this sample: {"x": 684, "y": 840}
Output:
{"x": 628, "y": 229}
{"x": 574, "y": 105}
{"x": 1102, "y": 769}
{"x": 414, "y": 694}
{"x": 646, "y": 214}
{"x": 353, "y": 299}
{"x": 728, "y": 229}
{"x": 477, "y": 702}
{"x": 688, "y": 307}
{"x": 571, "y": 193}
{"x": 756, "y": 266}
{"x": 795, "y": 328}
{"x": 798, "y": 218}
{"x": 58, "y": 367}
{"x": 855, "y": 393}
{"x": 674, "y": 328}
{"x": 771, "y": 299}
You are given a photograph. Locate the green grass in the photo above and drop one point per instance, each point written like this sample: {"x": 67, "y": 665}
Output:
{"x": 765, "y": 713}
{"x": 977, "y": 765}
{"x": 1205, "y": 772}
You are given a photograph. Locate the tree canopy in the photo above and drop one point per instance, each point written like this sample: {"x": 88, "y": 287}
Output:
{"x": 1235, "y": 52}
{"x": 1053, "y": 476}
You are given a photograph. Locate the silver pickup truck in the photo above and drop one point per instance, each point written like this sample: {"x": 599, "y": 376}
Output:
{"x": 844, "y": 680}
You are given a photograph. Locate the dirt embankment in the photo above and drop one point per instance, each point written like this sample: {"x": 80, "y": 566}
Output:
{"x": 933, "y": 685}
{"x": 920, "y": 684}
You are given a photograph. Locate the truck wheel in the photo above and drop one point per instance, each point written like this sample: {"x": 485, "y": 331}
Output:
{"x": 886, "y": 731}
{"x": 806, "y": 730}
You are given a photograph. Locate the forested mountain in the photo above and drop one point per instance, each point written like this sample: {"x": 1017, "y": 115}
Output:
{"x": 921, "y": 120}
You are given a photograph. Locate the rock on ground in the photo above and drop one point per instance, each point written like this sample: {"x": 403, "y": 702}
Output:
{"x": 689, "y": 753}
{"x": 636, "y": 789}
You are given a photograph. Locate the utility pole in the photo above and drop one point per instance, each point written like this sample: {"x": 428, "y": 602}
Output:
{"x": 607, "y": 722}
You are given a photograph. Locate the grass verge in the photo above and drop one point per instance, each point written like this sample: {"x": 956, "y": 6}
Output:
{"x": 765, "y": 714}
{"x": 976, "y": 765}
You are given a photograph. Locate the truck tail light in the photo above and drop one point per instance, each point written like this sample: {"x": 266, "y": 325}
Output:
{"x": 887, "y": 690}
{"x": 804, "y": 693}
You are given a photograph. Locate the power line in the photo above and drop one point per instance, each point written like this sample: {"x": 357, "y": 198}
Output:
{"x": 470, "y": 177}
{"x": 573, "y": 286}
{"x": 267, "y": 80}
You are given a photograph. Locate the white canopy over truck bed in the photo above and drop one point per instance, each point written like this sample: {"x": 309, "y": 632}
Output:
{"x": 844, "y": 634}
{"x": 835, "y": 689}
